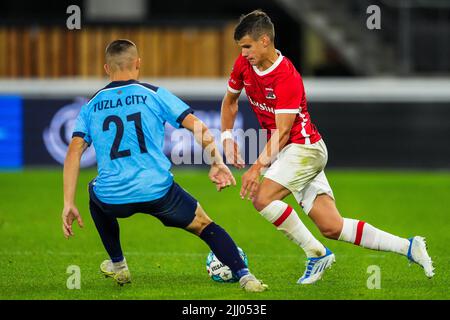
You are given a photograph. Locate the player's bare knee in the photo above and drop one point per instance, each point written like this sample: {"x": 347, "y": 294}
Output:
{"x": 197, "y": 225}
{"x": 331, "y": 231}
{"x": 332, "y": 228}
{"x": 259, "y": 203}
{"x": 200, "y": 221}
{"x": 201, "y": 226}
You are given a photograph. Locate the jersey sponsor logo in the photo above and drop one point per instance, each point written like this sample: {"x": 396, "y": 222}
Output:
{"x": 247, "y": 84}
{"x": 261, "y": 106}
{"x": 58, "y": 135}
{"x": 270, "y": 94}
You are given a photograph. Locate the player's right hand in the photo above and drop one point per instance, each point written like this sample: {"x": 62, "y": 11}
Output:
{"x": 221, "y": 176}
{"x": 232, "y": 154}
{"x": 69, "y": 215}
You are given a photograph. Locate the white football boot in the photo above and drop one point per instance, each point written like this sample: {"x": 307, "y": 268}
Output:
{"x": 120, "y": 272}
{"x": 250, "y": 284}
{"x": 417, "y": 253}
{"x": 315, "y": 267}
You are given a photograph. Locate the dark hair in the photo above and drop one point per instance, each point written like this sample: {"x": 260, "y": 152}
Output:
{"x": 255, "y": 24}
{"x": 118, "y": 46}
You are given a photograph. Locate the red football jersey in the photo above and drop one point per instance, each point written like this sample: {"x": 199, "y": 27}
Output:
{"x": 279, "y": 89}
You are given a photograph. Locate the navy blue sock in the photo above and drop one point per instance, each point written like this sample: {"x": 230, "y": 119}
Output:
{"x": 108, "y": 229}
{"x": 224, "y": 248}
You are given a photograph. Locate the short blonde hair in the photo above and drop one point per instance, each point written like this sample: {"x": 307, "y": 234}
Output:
{"x": 120, "y": 54}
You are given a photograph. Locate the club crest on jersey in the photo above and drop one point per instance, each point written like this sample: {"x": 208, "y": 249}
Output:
{"x": 270, "y": 94}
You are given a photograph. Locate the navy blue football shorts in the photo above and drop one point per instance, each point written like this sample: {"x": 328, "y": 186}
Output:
{"x": 175, "y": 209}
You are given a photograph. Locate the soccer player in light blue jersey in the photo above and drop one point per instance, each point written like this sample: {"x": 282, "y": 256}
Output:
{"x": 125, "y": 123}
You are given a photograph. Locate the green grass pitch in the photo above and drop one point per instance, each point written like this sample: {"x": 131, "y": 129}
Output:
{"x": 168, "y": 263}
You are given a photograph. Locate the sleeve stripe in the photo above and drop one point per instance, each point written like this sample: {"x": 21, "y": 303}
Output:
{"x": 233, "y": 90}
{"x": 83, "y": 136}
{"x": 78, "y": 134}
{"x": 183, "y": 115}
{"x": 292, "y": 111}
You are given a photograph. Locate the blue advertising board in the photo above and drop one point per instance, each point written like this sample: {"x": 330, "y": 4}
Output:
{"x": 37, "y": 131}
{"x": 11, "y": 132}
{"x": 48, "y": 127}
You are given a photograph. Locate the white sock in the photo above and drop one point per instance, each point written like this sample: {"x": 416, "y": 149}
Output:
{"x": 365, "y": 235}
{"x": 120, "y": 265}
{"x": 287, "y": 221}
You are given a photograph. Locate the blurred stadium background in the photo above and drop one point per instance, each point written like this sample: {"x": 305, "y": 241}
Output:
{"x": 380, "y": 98}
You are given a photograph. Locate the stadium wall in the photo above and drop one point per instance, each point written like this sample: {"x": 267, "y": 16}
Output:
{"x": 380, "y": 123}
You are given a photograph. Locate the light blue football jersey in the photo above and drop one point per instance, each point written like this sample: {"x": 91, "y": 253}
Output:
{"x": 125, "y": 122}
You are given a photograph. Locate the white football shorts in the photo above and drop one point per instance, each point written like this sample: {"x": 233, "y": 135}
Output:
{"x": 299, "y": 168}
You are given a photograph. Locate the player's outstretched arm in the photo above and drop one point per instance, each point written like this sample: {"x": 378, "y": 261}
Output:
{"x": 71, "y": 170}
{"x": 219, "y": 172}
{"x": 228, "y": 115}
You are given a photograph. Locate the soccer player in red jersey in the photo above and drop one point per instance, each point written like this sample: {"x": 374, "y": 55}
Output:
{"x": 295, "y": 155}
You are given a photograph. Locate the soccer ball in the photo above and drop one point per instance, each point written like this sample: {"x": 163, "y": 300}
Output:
{"x": 220, "y": 272}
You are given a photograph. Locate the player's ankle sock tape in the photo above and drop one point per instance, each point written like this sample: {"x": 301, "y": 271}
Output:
{"x": 119, "y": 265}
{"x": 242, "y": 272}
{"x": 223, "y": 246}
{"x": 117, "y": 259}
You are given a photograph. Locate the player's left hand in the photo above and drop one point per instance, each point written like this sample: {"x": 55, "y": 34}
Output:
{"x": 250, "y": 183}
{"x": 69, "y": 215}
{"x": 221, "y": 176}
